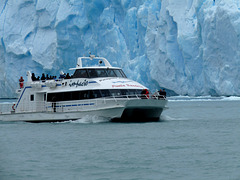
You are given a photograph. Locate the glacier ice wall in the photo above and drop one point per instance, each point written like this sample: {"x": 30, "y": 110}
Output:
{"x": 189, "y": 46}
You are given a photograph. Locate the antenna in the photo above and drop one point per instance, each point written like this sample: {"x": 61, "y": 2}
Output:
{"x": 91, "y": 56}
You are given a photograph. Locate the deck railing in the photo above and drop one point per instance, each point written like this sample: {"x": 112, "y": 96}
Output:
{"x": 67, "y": 106}
{"x": 6, "y": 107}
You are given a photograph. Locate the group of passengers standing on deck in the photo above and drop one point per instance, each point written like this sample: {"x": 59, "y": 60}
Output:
{"x": 47, "y": 77}
{"x": 160, "y": 94}
{"x": 43, "y": 78}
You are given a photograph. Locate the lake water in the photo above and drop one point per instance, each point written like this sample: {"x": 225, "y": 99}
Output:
{"x": 196, "y": 139}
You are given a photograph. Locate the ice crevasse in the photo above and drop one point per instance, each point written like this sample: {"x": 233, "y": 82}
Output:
{"x": 188, "y": 46}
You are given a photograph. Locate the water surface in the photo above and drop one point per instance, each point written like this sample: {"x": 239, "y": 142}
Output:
{"x": 195, "y": 139}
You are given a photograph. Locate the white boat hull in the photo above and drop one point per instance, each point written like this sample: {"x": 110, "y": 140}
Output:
{"x": 59, "y": 116}
{"x": 115, "y": 110}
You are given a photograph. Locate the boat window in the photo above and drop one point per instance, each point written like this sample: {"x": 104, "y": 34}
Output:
{"x": 32, "y": 97}
{"x": 119, "y": 73}
{"x": 124, "y": 91}
{"x": 101, "y": 73}
{"x": 58, "y": 97}
{"x": 132, "y": 93}
{"x": 84, "y": 95}
{"x": 111, "y": 73}
{"x": 115, "y": 92}
{"x": 91, "y": 94}
{"x": 123, "y": 74}
{"x": 55, "y": 97}
{"x": 75, "y": 95}
{"x": 105, "y": 93}
{"x": 80, "y": 73}
{"x": 138, "y": 91}
{"x": 95, "y": 94}
{"x": 67, "y": 96}
{"x": 92, "y": 73}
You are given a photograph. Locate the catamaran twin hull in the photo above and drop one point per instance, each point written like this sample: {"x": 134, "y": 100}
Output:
{"x": 115, "y": 110}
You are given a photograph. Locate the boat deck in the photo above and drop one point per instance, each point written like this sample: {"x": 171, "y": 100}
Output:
{"x": 68, "y": 106}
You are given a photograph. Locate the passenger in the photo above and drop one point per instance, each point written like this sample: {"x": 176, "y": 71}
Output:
{"x": 145, "y": 94}
{"x": 67, "y": 76}
{"x": 38, "y": 78}
{"x": 43, "y": 78}
{"x": 33, "y": 77}
{"x": 54, "y": 99}
{"x": 47, "y": 77}
{"x": 156, "y": 94}
{"x": 164, "y": 93}
{"x": 160, "y": 94}
{"x": 21, "y": 80}
{"x": 62, "y": 75}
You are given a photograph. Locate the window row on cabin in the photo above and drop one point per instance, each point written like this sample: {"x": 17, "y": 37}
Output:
{"x": 94, "y": 73}
{"x": 91, "y": 94}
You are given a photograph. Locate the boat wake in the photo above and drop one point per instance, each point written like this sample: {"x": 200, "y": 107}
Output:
{"x": 88, "y": 120}
{"x": 204, "y": 98}
{"x": 168, "y": 118}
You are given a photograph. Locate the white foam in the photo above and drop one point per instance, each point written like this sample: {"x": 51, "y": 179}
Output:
{"x": 88, "y": 120}
{"x": 204, "y": 98}
{"x": 168, "y": 118}
{"x": 231, "y": 98}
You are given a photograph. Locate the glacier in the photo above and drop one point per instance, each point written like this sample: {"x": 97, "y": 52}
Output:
{"x": 189, "y": 46}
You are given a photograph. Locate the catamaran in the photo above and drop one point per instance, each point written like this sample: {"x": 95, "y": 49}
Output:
{"x": 100, "y": 90}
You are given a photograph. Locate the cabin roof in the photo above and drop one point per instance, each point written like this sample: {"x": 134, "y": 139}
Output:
{"x": 95, "y": 67}
{"x": 102, "y": 62}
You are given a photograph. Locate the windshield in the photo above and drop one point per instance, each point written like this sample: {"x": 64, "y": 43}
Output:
{"x": 94, "y": 73}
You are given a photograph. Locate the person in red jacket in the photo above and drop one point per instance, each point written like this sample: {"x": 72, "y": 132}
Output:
{"x": 145, "y": 94}
{"x": 21, "y": 80}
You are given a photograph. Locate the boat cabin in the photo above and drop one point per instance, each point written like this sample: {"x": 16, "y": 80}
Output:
{"x": 86, "y": 83}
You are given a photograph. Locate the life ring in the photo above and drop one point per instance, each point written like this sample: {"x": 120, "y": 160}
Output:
{"x": 13, "y": 107}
